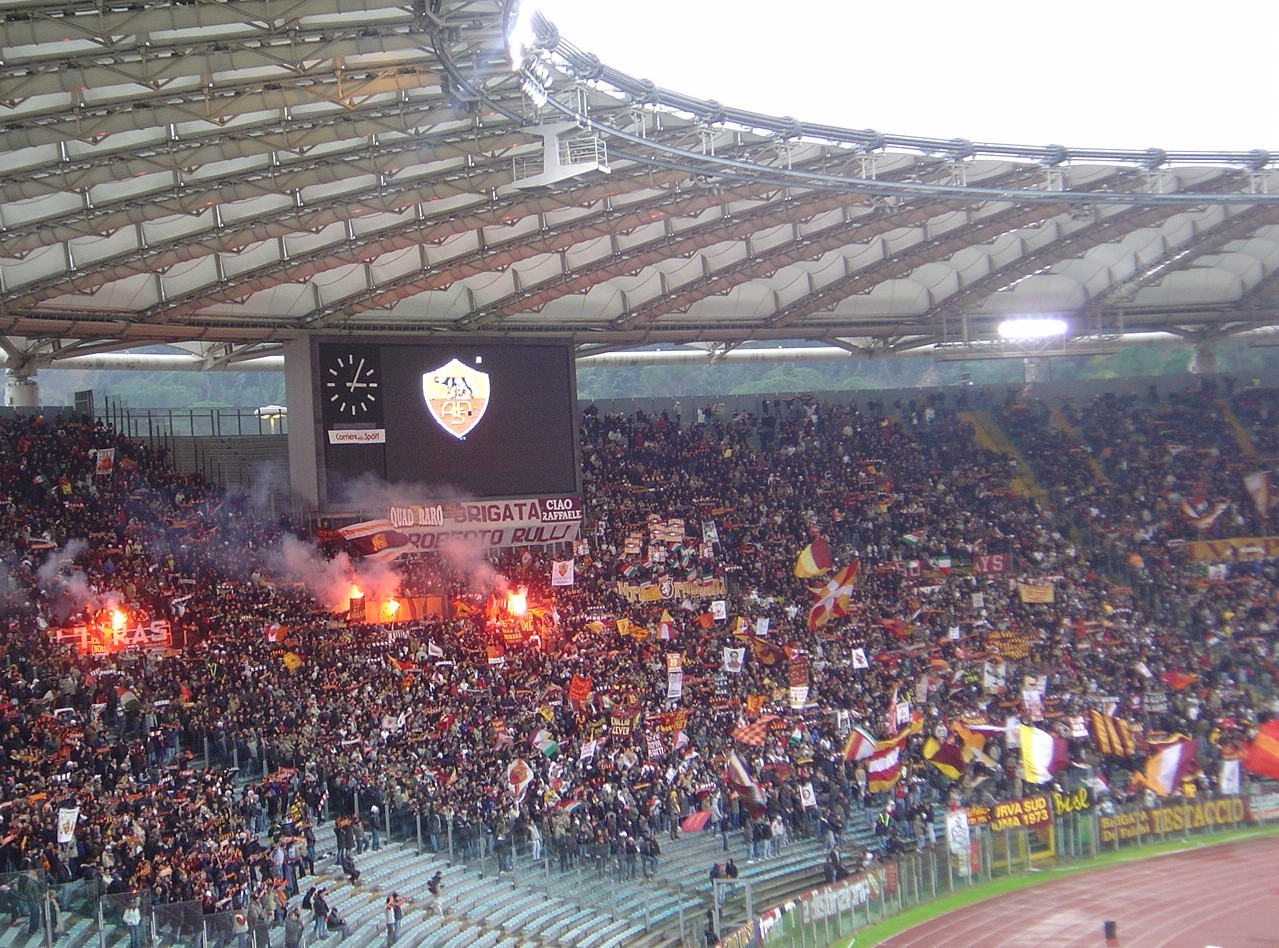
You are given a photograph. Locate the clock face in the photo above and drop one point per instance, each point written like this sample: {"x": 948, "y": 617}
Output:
{"x": 350, "y": 386}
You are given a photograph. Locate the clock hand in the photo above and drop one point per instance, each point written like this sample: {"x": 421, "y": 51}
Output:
{"x": 355, "y": 378}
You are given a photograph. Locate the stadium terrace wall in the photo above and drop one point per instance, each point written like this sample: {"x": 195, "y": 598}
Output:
{"x": 978, "y": 396}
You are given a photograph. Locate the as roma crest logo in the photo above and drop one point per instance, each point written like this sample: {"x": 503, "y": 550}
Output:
{"x": 457, "y": 396}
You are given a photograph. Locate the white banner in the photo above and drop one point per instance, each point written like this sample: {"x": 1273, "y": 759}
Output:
{"x": 100, "y": 640}
{"x": 1228, "y": 778}
{"x": 66, "y": 825}
{"x": 104, "y": 460}
{"x": 807, "y": 795}
{"x": 674, "y": 685}
{"x": 503, "y": 523}
{"x": 958, "y": 837}
{"x": 859, "y": 658}
{"x": 734, "y": 660}
{"x": 562, "y": 572}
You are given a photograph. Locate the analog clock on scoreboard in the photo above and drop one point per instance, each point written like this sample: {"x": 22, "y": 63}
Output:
{"x": 350, "y": 384}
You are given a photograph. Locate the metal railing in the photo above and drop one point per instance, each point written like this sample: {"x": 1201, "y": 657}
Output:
{"x": 844, "y": 907}
{"x": 153, "y": 423}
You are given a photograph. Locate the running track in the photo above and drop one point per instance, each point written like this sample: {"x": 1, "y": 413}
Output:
{"x": 1225, "y": 896}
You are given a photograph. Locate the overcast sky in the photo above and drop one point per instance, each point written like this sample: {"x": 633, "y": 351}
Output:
{"x": 1112, "y": 74}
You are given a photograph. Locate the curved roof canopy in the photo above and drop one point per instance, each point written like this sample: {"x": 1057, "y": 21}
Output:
{"x": 234, "y": 173}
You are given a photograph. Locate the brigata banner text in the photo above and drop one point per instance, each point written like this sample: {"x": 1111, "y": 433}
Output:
{"x": 497, "y": 523}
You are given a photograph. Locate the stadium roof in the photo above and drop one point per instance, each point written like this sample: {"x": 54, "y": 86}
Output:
{"x": 233, "y": 173}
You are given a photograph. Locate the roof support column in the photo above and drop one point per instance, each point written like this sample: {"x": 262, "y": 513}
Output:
{"x": 1203, "y": 360}
{"x": 21, "y": 390}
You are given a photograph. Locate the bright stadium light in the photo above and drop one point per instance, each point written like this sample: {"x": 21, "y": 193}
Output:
{"x": 1032, "y": 328}
{"x": 521, "y": 35}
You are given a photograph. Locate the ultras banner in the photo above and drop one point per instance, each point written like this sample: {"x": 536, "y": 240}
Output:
{"x": 1173, "y": 818}
{"x": 428, "y": 527}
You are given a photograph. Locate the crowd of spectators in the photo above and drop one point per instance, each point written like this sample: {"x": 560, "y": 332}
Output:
{"x": 200, "y": 771}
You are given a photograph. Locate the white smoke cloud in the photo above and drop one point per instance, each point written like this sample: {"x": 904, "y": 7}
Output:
{"x": 332, "y": 581}
{"x": 465, "y": 558}
{"x": 66, "y": 587}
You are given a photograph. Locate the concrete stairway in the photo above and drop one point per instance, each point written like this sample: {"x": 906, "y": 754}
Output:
{"x": 988, "y": 434}
{"x": 1237, "y": 430}
{"x": 535, "y": 905}
{"x": 1062, "y": 424}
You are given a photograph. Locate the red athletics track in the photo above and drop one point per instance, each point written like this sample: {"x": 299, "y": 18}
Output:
{"x": 1226, "y": 896}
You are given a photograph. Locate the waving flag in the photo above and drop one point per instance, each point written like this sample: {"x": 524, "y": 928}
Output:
{"x": 741, "y": 780}
{"x": 1261, "y": 488}
{"x": 518, "y": 777}
{"x": 884, "y": 766}
{"x": 1202, "y": 514}
{"x": 1179, "y": 681}
{"x": 766, "y": 652}
{"x": 1263, "y": 753}
{"x": 860, "y": 744}
{"x": 755, "y": 732}
{"x": 128, "y": 700}
{"x": 835, "y": 598}
{"x": 972, "y": 744}
{"x": 376, "y": 540}
{"x": 947, "y": 758}
{"x": 545, "y": 743}
{"x": 1165, "y": 769}
{"x": 1042, "y": 754}
{"x": 695, "y": 822}
{"x": 813, "y": 560}
{"x": 1113, "y": 735}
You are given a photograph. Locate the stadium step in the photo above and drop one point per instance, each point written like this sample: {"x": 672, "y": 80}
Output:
{"x": 988, "y": 434}
{"x": 531, "y": 907}
{"x": 1062, "y": 424}
{"x": 1237, "y": 430}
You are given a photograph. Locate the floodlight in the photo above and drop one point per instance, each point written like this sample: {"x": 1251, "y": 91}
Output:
{"x": 1032, "y": 328}
{"x": 521, "y": 36}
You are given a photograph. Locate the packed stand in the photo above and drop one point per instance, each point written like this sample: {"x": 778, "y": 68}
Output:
{"x": 449, "y": 721}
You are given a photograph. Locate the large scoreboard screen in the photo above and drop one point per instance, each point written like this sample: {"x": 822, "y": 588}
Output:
{"x": 479, "y": 419}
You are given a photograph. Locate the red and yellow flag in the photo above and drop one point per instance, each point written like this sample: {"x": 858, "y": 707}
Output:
{"x": 1262, "y": 757}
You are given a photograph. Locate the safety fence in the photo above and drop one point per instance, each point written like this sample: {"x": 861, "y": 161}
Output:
{"x": 985, "y": 843}
{"x": 85, "y": 914}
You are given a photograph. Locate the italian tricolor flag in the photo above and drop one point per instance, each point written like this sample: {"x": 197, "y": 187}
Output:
{"x": 1042, "y": 754}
